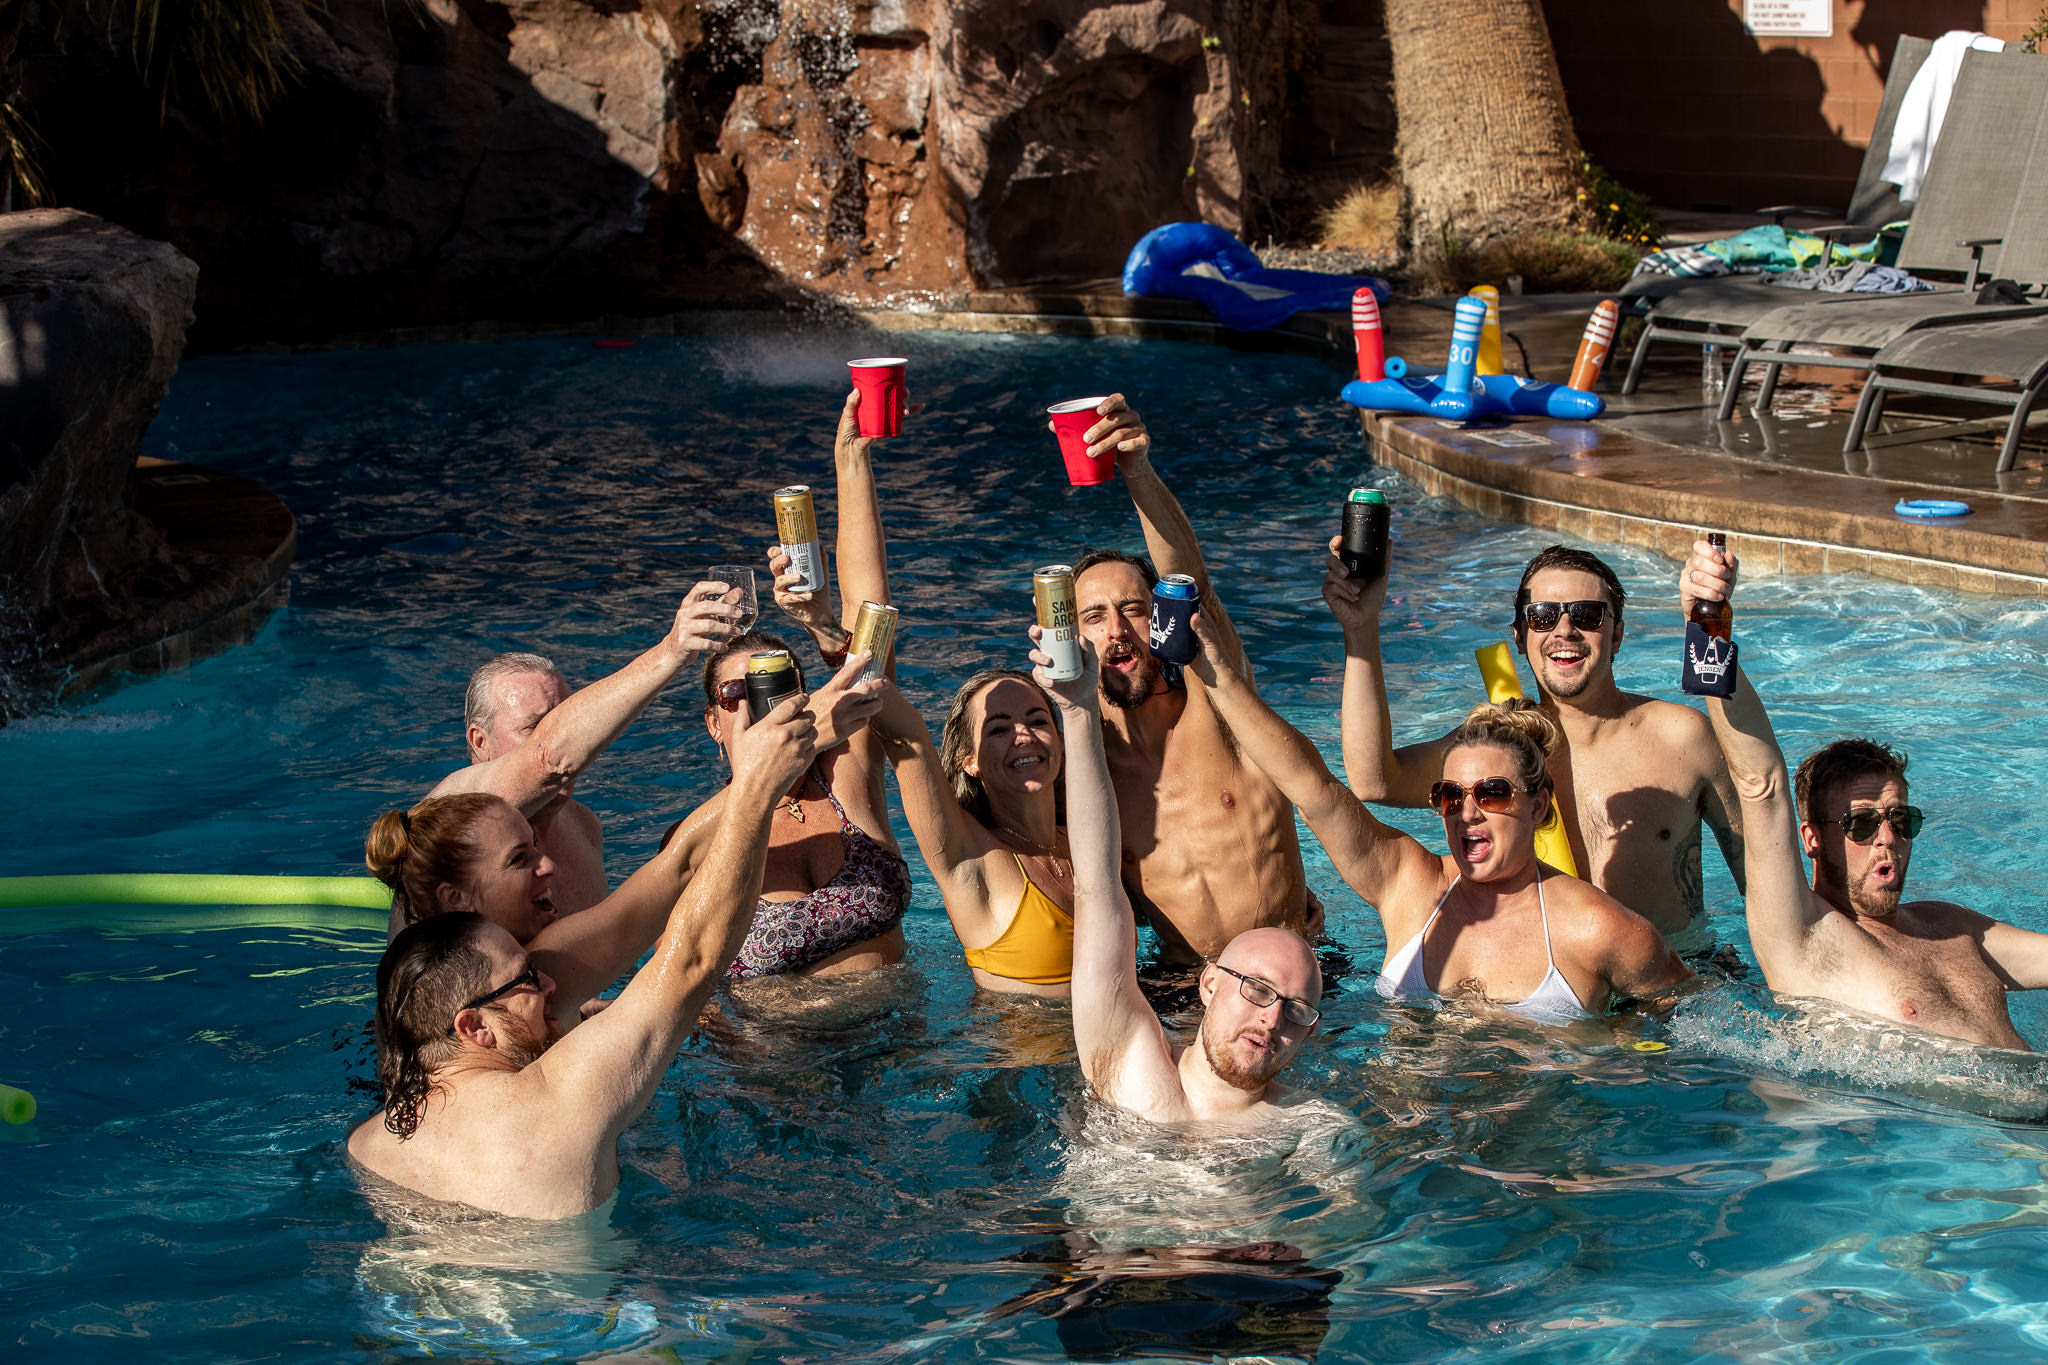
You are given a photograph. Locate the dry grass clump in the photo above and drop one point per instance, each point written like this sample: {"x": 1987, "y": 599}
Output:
{"x": 1548, "y": 262}
{"x": 1368, "y": 219}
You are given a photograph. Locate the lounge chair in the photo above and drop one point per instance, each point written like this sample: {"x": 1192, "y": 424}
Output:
{"x": 1995, "y": 164}
{"x": 1701, "y": 311}
{"x": 2012, "y": 349}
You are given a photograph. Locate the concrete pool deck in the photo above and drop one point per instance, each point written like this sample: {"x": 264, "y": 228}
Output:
{"x": 1657, "y": 469}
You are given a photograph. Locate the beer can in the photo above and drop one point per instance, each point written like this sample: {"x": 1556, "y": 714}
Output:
{"x": 1059, "y": 635}
{"x": 1174, "y": 599}
{"x": 796, "y": 526}
{"x": 874, "y": 630}
{"x": 1363, "y": 548}
{"x": 771, "y": 676}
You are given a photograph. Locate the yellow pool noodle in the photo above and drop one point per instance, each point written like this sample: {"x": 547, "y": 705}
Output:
{"x": 1503, "y": 683}
{"x": 16, "y": 1106}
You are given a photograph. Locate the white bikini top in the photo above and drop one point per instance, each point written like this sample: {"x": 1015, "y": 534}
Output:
{"x": 1552, "y": 1002}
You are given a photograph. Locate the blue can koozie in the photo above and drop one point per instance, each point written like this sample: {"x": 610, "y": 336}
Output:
{"x": 1708, "y": 669}
{"x": 1173, "y": 603}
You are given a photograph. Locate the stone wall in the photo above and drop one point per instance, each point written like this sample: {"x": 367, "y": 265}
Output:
{"x": 513, "y": 159}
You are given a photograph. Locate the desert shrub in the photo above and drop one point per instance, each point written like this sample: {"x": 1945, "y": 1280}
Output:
{"x": 1367, "y": 219}
{"x": 1619, "y": 212}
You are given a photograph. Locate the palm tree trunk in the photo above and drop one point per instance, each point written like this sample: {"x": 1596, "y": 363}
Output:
{"x": 1486, "y": 145}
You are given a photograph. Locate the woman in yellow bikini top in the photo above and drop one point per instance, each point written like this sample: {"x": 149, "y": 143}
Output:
{"x": 985, "y": 805}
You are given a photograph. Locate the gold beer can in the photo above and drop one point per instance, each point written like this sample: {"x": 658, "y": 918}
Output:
{"x": 1052, "y": 588}
{"x": 796, "y": 527}
{"x": 771, "y": 676}
{"x": 874, "y": 630}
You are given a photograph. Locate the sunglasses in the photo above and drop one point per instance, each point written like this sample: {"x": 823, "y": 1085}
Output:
{"x": 1495, "y": 794}
{"x": 1297, "y": 1012}
{"x": 1543, "y": 616}
{"x": 529, "y": 977}
{"x": 730, "y": 693}
{"x": 1861, "y": 825}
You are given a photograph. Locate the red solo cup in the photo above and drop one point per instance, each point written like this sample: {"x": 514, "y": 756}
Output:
{"x": 880, "y": 381}
{"x": 1071, "y": 421}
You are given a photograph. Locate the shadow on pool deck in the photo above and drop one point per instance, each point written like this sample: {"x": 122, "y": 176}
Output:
{"x": 1657, "y": 469}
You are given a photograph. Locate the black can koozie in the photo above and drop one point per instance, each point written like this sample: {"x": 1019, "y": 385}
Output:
{"x": 1709, "y": 669}
{"x": 1174, "y": 599}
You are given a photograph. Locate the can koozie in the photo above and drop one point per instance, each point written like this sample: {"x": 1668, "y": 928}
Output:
{"x": 1172, "y": 636}
{"x": 1709, "y": 669}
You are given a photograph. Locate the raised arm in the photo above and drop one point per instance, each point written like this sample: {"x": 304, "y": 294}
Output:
{"x": 588, "y": 951}
{"x": 1169, "y": 535}
{"x": 570, "y": 737}
{"x": 861, "y": 548}
{"x": 1123, "y": 1050}
{"x": 1373, "y": 858}
{"x": 1376, "y": 770}
{"x": 1781, "y": 907}
{"x": 602, "y": 1076}
{"x": 950, "y": 839}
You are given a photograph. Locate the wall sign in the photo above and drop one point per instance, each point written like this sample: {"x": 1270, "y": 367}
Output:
{"x": 1789, "y": 18}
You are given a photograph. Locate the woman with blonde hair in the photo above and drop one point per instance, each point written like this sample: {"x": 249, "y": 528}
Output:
{"x": 1486, "y": 923}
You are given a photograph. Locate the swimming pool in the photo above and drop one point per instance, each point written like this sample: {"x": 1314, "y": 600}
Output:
{"x": 895, "y": 1168}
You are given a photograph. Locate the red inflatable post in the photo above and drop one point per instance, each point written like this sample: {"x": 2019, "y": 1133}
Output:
{"x": 1372, "y": 345}
{"x": 1594, "y": 345}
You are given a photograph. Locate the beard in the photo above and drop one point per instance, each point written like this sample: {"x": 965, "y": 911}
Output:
{"x": 522, "y": 1046}
{"x": 1231, "y": 1071}
{"x": 1126, "y": 691}
{"x": 1878, "y": 904}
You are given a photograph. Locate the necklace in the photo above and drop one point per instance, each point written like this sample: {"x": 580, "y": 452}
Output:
{"x": 1062, "y": 868}
{"x": 793, "y": 803}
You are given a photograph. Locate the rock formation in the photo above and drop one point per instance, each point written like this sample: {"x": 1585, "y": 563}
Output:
{"x": 92, "y": 321}
{"x": 562, "y": 158}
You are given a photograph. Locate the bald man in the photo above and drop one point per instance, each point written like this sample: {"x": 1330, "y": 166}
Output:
{"x": 1259, "y": 995}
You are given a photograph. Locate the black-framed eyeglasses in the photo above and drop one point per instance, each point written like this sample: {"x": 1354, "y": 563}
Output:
{"x": 529, "y": 977}
{"x": 1495, "y": 794}
{"x": 1861, "y": 825}
{"x": 1297, "y": 1012}
{"x": 1542, "y": 617}
{"x": 730, "y": 693}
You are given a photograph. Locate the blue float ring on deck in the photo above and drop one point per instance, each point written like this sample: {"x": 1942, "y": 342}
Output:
{"x": 1931, "y": 507}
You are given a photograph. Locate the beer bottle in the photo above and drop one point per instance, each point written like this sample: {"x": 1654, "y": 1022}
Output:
{"x": 1708, "y": 666}
{"x": 1715, "y": 618}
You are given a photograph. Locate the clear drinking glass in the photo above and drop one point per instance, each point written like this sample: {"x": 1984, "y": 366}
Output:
{"x": 748, "y": 609}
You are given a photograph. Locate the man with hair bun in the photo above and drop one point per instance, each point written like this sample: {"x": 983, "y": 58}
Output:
{"x": 1849, "y": 935}
{"x": 1485, "y": 923}
{"x": 486, "y": 1101}
{"x": 1634, "y": 777}
{"x": 530, "y": 738}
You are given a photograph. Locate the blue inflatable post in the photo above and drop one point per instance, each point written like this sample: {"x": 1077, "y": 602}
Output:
{"x": 1463, "y": 365}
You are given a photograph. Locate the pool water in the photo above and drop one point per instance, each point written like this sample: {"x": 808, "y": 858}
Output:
{"x": 894, "y": 1168}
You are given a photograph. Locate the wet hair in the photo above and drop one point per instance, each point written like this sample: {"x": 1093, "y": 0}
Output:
{"x": 1138, "y": 562}
{"x": 1517, "y": 725}
{"x": 479, "y": 706}
{"x": 416, "y": 851}
{"x": 1565, "y": 557}
{"x": 752, "y": 642}
{"x": 427, "y": 973}
{"x": 1845, "y": 760}
{"x": 956, "y": 741}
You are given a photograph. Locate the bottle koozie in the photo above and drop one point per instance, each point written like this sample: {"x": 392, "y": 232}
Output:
{"x": 1709, "y": 669}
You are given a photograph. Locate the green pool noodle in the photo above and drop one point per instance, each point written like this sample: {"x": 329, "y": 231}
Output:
{"x": 16, "y": 1106}
{"x": 191, "y": 888}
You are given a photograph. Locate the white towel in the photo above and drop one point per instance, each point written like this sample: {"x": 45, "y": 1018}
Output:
{"x": 1925, "y": 105}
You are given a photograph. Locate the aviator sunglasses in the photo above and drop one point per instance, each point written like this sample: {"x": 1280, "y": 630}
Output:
{"x": 529, "y": 977}
{"x": 1495, "y": 794}
{"x": 1297, "y": 1012}
{"x": 1861, "y": 825}
{"x": 1543, "y": 616}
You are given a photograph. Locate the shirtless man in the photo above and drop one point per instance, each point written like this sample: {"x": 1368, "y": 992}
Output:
{"x": 1209, "y": 842}
{"x": 487, "y": 1102}
{"x": 1635, "y": 777}
{"x": 530, "y": 738}
{"x": 1260, "y": 993}
{"x": 1850, "y": 935}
